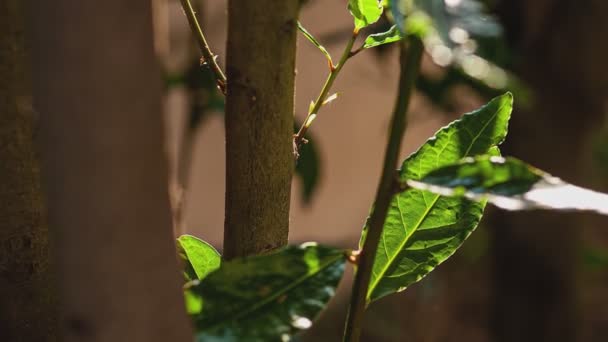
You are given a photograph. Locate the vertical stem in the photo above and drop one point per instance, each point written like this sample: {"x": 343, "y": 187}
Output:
{"x": 261, "y": 55}
{"x": 410, "y": 63}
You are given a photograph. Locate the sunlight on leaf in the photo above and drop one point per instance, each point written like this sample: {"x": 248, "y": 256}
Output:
{"x": 390, "y": 36}
{"x": 365, "y": 12}
{"x": 200, "y": 258}
{"x": 510, "y": 184}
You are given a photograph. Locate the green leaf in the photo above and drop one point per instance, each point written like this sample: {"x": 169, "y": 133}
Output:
{"x": 199, "y": 256}
{"x": 390, "y": 36}
{"x": 423, "y": 229}
{"x": 365, "y": 12}
{"x": 270, "y": 297}
{"x": 315, "y": 42}
{"x": 510, "y": 184}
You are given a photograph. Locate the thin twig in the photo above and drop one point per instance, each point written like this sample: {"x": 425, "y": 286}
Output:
{"x": 298, "y": 138}
{"x": 208, "y": 56}
{"x": 410, "y": 63}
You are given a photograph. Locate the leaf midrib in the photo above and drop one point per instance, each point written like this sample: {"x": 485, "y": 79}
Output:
{"x": 401, "y": 245}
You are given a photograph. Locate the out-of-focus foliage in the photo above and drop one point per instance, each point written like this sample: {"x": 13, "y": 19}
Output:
{"x": 467, "y": 42}
{"x": 595, "y": 258}
{"x": 308, "y": 168}
{"x": 600, "y": 150}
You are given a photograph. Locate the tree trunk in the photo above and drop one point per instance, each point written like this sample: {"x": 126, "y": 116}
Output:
{"x": 536, "y": 253}
{"x": 259, "y": 124}
{"x": 97, "y": 87}
{"x": 27, "y": 302}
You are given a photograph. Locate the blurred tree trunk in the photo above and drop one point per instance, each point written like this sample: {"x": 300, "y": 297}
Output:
{"x": 97, "y": 87}
{"x": 536, "y": 253}
{"x": 259, "y": 124}
{"x": 26, "y": 298}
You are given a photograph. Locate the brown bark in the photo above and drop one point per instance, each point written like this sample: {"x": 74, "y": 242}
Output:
{"x": 259, "y": 124}
{"x": 26, "y": 297}
{"x": 536, "y": 253}
{"x": 97, "y": 87}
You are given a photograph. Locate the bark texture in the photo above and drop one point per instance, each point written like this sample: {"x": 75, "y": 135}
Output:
{"x": 26, "y": 297}
{"x": 259, "y": 124}
{"x": 536, "y": 253}
{"x": 97, "y": 87}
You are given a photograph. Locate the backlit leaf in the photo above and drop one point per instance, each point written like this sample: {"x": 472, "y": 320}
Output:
{"x": 200, "y": 258}
{"x": 424, "y": 229}
{"x": 365, "y": 12}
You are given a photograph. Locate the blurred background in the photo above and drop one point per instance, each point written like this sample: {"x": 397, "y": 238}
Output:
{"x": 530, "y": 276}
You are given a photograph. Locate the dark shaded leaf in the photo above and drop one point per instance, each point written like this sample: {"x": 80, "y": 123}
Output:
{"x": 308, "y": 167}
{"x": 270, "y": 297}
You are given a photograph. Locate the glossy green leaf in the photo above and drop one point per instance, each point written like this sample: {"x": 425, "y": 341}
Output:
{"x": 315, "y": 42}
{"x": 270, "y": 297}
{"x": 390, "y": 36}
{"x": 424, "y": 229}
{"x": 510, "y": 184}
{"x": 365, "y": 12}
{"x": 200, "y": 258}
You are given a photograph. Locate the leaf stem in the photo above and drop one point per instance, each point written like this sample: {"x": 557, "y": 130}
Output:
{"x": 299, "y": 137}
{"x": 208, "y": 56}
{"x": 410, "y": 63}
